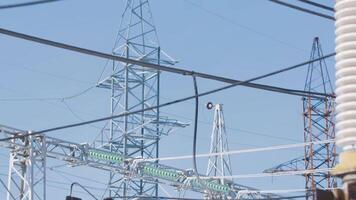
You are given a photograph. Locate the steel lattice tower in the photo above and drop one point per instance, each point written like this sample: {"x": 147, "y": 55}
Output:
{"x": 132, "y": 88}
{"x": 319, "y": 125}
{"x": 27, "y": 169}
{"x": 318, "y": 122}
{"x": 219, "y": 165}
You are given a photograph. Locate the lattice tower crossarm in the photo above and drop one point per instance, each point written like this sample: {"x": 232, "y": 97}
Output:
{"x": 134, "y": 87}
{"x": 318, "y": 124}
{"x": 74, "y": 154}
{"x": 318, "y": 114}
{"x": 27, "y": 166}
{"x": 219, "y": 165}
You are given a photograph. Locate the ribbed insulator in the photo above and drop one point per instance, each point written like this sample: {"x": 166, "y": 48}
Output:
{"x": 345, "y": 13}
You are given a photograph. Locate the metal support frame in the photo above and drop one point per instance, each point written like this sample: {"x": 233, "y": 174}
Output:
{"x": 219, "y": 165}
{"x": 27, "y": 168}
{"x": 124, "y": 139}
{"x": 134, "y": 87}
{"x": 319, "y": 124}
{"x": 74, "y": 154}
{"x": 318, "y": 114}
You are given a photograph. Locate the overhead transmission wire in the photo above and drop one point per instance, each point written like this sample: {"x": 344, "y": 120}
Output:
{"x": 96, "y": 188}
{"x": 184, "y": 72}
{"x": 69, "y": 108}
{"x": 50, "y": 98}
{"x": 240, "y": 151}
{"x": 274, "y": 174}
{"x": 242, "y": 26}
{"x": 195, "y": 134}
{"x": 235, "y": 129}
{"x": 318, "y": 5}
{"x": 55, "y": 75}
{"x": 260, "y": 175}
{"x": 65, "y": 189}
{"x": 281, "y": 191}
{"x": 25, "y": 4}
{"x": 303, "y": 9}
{"x": 72, "y": 181}
{"x": 89, "y": 179}
{"x": 179, "y": 198}
{"x": 63, "y": 100}
{"x": 167, "y": 68}
{"x": 68, "y": 97}
{"x": 74, "y": 175}
{"x": 239, "y": 83}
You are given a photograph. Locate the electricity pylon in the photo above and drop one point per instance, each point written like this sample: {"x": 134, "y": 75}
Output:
{"x": 27, "y": 166}
{"x": 318, "y": 121}
{"x": 219, "y": 165}
{"x": 133, "y": 87}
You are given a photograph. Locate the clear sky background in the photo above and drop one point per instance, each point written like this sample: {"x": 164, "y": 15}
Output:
{"x": 233, "y": 38}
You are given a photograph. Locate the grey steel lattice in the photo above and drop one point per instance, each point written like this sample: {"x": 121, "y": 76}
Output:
{"x": 134, "y": 87}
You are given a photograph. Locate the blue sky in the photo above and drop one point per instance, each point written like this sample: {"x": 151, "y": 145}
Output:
{"x": 234, "y": 38}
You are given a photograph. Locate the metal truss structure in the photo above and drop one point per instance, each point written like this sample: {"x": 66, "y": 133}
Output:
{"x": 134, "y": 87}
{"x": 219, "y": 165}
{"x": 27, "y": 168}
{"x": 30, "y": 184}
{"x": 125, "y": 143}
{"x": 318, "y": 119}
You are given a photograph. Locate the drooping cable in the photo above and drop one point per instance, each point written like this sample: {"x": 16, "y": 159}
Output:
{"x": 75, "y": 95}
{"x": 241, "y": 26}
{"x": 195, "y": 127}
{"x": 318, "y": 5}
{"x": 166, "y": 68}
{"x": 31, "y": 3}
{"x": 303, "y": 9}
{"x": 266, "y": 175}
{"x": 81, "y": 186}
{"x": 241, "y": 151}
{"x": 239, "y": 83}
{"x": 195, "y": 134}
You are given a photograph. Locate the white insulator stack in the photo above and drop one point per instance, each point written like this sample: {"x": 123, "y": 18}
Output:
{"x": 345, "y": 13}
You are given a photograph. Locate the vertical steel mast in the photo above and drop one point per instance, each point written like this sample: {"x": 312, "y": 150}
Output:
{"x": 319, "y": 124}
{"x": 27, "y": 169}
{"x": 132, "y": 88}
{"x": 219, "y": 165}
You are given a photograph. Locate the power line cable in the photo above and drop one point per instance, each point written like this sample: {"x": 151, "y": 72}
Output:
{"x": 239, "y": 25}
{"x": 303, "y": 9}
{"x": 64, "y": 189}
{"x": 62, "y": 100}
{"x": 31, "y": 3}
{"x": 82, "y": 92}
{"x": 158, "y": 106}
{"x": 157, "y": 197}
{"x": 74, "y": 175}
{"x": 57, "y": 76}
{"x": 318, "y": 5}
{"x": 282, "y": 198}
{"x": 240, "y": 151}
{"x": 281, "y": 191}
{"x": 240, "y": 130}
{"x": 195, "y": 134}
{"x": 264, "y": 175}
{"x": 166, "y": 68}
{"x": 77, "y": 116}
{"x": 68, "y": 183}
{"x": 195, "y": 127}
